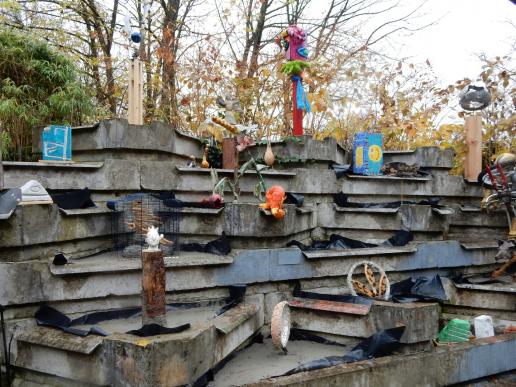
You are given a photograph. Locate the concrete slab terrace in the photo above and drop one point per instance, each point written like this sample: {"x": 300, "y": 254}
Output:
{"x": 30, "y": 282}
{"x": 262, "y": 360}
{"x": 127, "y": 360}
{"x": 443, "y": 366}
{"x": 117, "y": 134}
{"x": 40, "y": 231}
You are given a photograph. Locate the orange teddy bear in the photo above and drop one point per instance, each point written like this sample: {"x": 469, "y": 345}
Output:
{"x": 274, "y": 198}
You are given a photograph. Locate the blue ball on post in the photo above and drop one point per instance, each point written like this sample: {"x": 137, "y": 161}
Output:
{"x": 136, "y": 37}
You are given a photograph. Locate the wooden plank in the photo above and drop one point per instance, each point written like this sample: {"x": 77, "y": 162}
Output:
{"x": 330, "y": 306}
{"x": 364, "y": 252}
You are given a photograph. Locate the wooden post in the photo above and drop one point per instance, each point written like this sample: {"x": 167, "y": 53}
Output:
{"x": 153, "y": 288}
{"x": 135, "y": 93}
{"x": 473, "y": 135}
{"x": 297, "y": 114}
{"x": 229, "y": 153}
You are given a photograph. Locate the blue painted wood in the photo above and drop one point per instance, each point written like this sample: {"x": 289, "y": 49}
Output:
{"x": 57, "y": 143}
{"x": 264, "y": 265}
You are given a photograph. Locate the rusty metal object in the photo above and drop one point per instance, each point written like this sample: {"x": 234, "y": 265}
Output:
{"x": 502, "y": 269}
{"x": 380, "y": 290}
{"x": 153, "y": 288}
{"x": 331, "y": 306}
{"x": 229, "y": 153}
{"x": 280, "y": 325}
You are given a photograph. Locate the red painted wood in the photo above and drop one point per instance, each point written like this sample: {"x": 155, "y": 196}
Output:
{"x": 296, "y": 113}
{"x": 330, "y": 306}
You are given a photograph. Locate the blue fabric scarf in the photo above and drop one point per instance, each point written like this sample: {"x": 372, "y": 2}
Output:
{"x": 302, "y": 98}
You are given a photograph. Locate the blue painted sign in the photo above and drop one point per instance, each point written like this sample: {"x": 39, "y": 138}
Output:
{"x": 56, "y": 143}
{"x": 367, "y": 154}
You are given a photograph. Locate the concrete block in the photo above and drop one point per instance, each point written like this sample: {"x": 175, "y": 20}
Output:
{"x": 114, "y": 175}
{"x": 443, "y": 366}
{"x": 421, "y": 321}
{"x": 425, "y": 157}
{"x": 166, "y": 360}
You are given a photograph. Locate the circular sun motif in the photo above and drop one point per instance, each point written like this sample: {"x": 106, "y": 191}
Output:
{"x": 375, "y": 153}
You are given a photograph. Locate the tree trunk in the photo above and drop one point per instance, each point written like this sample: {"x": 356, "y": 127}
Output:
{"x": 153, "y": 288}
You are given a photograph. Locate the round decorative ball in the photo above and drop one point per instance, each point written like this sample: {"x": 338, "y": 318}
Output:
{"x": 136, "y": 37}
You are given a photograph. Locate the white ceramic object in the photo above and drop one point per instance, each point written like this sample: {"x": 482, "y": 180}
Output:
{"x": 153, "y": 238}
{"x": 280, "y": 325}
{"x": 33, "y": 191}
{"x": 483, "y": 326}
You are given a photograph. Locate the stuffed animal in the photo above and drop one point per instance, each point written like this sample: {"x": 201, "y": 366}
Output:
{"x": 274, "y": 198}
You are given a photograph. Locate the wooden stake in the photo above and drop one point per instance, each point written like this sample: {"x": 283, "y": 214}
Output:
{"x": 473, "y": 134}
{"x": 135, "y": 93}
{"x": 153, "y": 288}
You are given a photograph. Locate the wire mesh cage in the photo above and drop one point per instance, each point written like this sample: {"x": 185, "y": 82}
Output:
{"x": 132, "y": 217}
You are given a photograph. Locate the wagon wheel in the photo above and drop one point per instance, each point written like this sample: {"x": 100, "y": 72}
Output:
{"x": 371, "y": 287}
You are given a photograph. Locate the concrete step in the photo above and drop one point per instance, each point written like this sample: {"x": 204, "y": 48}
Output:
{"x": 421, "y": 321}
{"x": 122, "y": 359}
{"x": 428, "y": 157}
{"x": 103, "y": 277}
{"x": 442, "y": 366}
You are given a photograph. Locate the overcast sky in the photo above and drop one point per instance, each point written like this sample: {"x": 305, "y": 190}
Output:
{"x": 464, "y": 29}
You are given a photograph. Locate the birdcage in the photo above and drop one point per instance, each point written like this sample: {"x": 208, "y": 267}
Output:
{"x": 131, "y": 219}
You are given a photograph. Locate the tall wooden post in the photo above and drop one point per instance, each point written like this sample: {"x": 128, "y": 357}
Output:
{"x": 297, "y": 114}
{"x": 473, "y": 135}
{"x": 153, "y": 288}
{"x": 135, "y": 92}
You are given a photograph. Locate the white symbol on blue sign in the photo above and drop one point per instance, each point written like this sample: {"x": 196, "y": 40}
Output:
{"x": 57, "y": 143}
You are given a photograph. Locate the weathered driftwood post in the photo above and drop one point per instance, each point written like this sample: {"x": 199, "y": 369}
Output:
{"x": 153, "y": 281}
{"x": 473, "y": 134}
{"x": 135, "y": 92}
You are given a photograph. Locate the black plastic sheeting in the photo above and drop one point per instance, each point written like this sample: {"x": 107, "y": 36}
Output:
{"x": 299, "y": 334}
{"x": 418, "y": 289}
{"x": 342, "y": 200}
{"x": 156, "y": 329}
{"x": 236, "y": 296}
{"x": 380, "y": 344}
{"x": 60, "y": 259}
{"x": 293, "y": 198}
{"x": 73, "y": 199}
{"x": 336, "y": 242}
{"x": 50, "y": 317}
{"x": 341, "y": 170}
{"x": 297, "y": 292}
{"x": 218, "y": 246}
